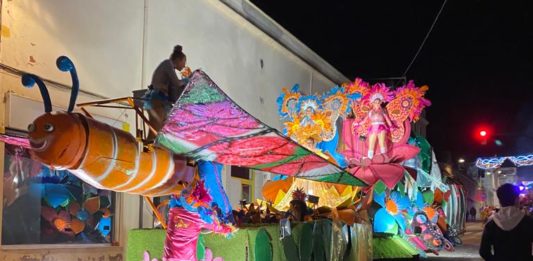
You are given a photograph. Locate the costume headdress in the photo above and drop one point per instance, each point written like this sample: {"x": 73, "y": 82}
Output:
{"x": 310, "y": 101}
{"x": 380, "y": 91}
{"x": 299, "y": 194}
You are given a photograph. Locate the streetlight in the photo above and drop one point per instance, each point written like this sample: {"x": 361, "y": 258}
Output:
{"x": 461, "y": 160}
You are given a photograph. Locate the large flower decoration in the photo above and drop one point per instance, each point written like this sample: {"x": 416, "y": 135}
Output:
{"x": 392, "y": 213}
{"x": 423, "y": 203}
{"x": 388, "y": 169}
{"x": 323, "y": 121}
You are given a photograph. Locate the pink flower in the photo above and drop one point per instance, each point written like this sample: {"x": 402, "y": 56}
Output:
{"x": 209, "y": 256}
{"x": 147, "y": 257}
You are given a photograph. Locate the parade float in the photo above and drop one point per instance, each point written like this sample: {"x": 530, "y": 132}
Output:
{"x": 353, "y": 182}
{"x": 370, "y": 126}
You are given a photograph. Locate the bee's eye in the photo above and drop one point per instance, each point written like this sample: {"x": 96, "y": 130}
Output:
{"x": 48, "y": 127}
{"x": 31, "y": 127}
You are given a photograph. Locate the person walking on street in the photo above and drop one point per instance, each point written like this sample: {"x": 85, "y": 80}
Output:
{"x": 473, "y": 214}
{"x": 509, "y": 233}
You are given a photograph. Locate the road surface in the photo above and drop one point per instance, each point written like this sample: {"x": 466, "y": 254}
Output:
{"x": 468, "y": 251}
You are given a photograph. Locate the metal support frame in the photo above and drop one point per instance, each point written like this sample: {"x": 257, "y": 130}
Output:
{"x": 124, "y": 103}
{"x": 156, "y": 213}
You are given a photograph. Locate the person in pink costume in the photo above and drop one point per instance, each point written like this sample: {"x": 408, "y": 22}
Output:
{"x": 380, "y": 125}
{"x": 183, "y": 230}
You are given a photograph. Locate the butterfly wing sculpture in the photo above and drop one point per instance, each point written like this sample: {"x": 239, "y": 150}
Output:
{"x": 407, "y": 105}
{"x": 206, "y": 124}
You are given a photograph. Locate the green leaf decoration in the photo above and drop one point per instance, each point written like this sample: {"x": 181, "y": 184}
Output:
{"x": 306, "y": 244}
{"x": 263, "y": 247}
{"x": 290, "y": 249}
{"x": 379, "y": 187}
{"x": 401, "y": 186}
{"x": 429, "y": 197}
{"x": 319, "y": 253}
{"x": 327, "y": 232}
{"x": 200, "y": 248}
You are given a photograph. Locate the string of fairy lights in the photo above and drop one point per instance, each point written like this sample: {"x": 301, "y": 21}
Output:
{"x": 496, "y": 162}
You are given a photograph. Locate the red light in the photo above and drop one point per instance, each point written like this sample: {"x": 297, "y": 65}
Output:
{"x": 482, "y": 134}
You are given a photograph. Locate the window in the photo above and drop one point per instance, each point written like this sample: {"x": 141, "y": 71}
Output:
{"x": 246, "y": 179}
{"x": 245, "y": 192}
{"x": 240, "y": 172}
{"x": 45, "y": 206}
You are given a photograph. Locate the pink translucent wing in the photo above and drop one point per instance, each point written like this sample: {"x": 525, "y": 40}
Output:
{"x": 15, "y": 140}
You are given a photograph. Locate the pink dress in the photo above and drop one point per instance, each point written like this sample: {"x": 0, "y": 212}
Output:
{"x": 183, "y": 230}
{"x": 377, "y": 121}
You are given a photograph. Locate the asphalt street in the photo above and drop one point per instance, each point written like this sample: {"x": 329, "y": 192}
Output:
{"x": 470, "y": 248}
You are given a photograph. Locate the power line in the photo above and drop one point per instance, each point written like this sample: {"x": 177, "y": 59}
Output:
{"x": 425, "y": 39}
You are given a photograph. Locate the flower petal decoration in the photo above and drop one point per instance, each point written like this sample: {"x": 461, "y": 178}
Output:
{"x": 379, "y": 197}
{"x": 147, "y": 257}
{"x": 384, "y": 222}
{"x": 385, "y": 167}
{"x": 390, "y": 171}
{"x": 401, "y": 200}
{"x": 396, "y": 206}
{"x": 419, "y": 201}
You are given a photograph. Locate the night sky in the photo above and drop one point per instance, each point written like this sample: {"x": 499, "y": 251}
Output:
{"x": 478, "y": 61}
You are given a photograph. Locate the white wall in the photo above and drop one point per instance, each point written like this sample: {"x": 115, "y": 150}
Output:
{"x": 229, "y": 49}
{"x": 116, "y": 45}
{"x": 103, "y": 38}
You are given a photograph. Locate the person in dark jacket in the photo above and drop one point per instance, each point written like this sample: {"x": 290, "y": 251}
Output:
{"x": 165, "y": 88}
{"x": 509, "y": 233}
{"x": 473, "y": 214}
